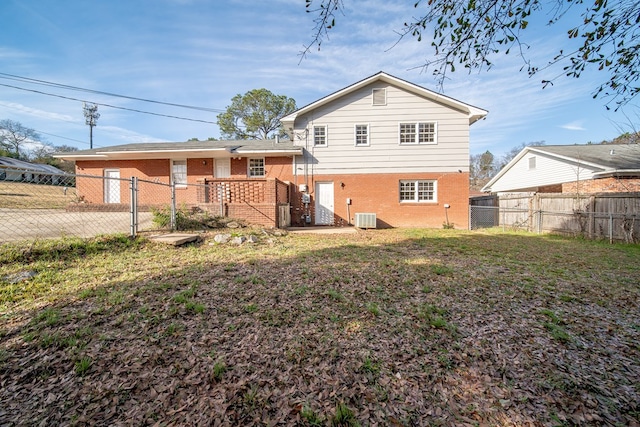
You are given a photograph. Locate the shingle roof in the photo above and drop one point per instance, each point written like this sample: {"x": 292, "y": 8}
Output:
{"x": 165, "y": 148}
{"x": 10, "y": 163}
{"x": 609, "y": 156}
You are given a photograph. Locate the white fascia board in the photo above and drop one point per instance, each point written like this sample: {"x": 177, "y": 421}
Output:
{"x": 270, "y": 153}
{"x": 617, "y": 172}
{"x": 488, "y": 185}
{"x": 71, "y": 157}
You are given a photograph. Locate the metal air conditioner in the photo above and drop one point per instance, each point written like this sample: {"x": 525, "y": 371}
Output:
{"x": 366, "y": 220}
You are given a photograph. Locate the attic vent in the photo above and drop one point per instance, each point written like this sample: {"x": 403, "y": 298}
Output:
{"x": 366, "y": 220}
{"x": 379, "y": 97}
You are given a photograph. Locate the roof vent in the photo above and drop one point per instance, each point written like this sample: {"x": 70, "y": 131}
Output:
{"x": 379, "y": 96}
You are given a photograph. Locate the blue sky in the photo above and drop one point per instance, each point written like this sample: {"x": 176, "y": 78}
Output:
{"x": 203, "y": 52}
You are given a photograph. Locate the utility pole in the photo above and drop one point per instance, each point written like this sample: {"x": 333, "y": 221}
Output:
{"x": 91, "y": 115}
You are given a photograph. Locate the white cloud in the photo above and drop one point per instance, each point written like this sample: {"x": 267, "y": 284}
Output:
{"x": 575, "y": 125}
{"x": 34, "y": 112}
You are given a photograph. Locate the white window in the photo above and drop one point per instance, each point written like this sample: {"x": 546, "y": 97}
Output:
{"x": 379, "y": 96}
{"x": 362, "y": 135}
{"x": 256, "y": 168}
{"x": 320, "y": 136}
{"x": 418, "y": 191}
{"x": 179, "y": 172}
{"x": 532, "y": 163}
{"x": 418, "y": 133}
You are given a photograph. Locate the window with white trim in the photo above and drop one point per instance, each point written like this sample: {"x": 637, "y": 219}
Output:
{"x": 362, "y": 135}
{"x": 179, "y": 172}
{"x": 418, "y": 191}
{"x": 256, "y": 168}
{"x": 379, "y": 96}
{"x": 320, "y": 136}
{"x": 418, "y": 133}
{"x": 532, "y": 163}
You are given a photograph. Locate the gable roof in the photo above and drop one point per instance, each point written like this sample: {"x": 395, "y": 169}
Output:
{"x": 474, "y": 113}
{"x": 11, "y": 163}
{"x": 607, "y": 159}
{"x": 190, "y": 149}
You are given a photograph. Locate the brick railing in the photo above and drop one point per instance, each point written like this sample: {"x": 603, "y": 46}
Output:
{"x": 255, "y": 200}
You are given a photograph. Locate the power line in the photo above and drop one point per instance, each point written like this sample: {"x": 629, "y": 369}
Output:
{"x": 108, "y": 105}
{"x": 76, "y": 88}
{"x": 62, "y": 137}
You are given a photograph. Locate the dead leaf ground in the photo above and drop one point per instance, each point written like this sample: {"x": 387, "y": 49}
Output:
{"x": 403, "y": 327}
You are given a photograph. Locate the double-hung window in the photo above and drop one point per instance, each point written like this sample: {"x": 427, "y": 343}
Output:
{"x": 179, "y": 172}
{"x": 362, "y": 135}
{"x": 418, "y": 133}
{"x": 418, "y": 191}
{"x": 256, "y": 168}
{"x": 320, "y": 136}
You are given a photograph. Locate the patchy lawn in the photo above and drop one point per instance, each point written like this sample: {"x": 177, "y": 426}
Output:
{"x": 393, "y": 327}
{"x": 21, "y": 195}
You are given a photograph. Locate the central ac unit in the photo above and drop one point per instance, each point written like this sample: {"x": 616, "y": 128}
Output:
{"x": 366, "y": 220}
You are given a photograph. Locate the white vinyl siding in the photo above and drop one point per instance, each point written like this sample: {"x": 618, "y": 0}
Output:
{"x": 320, "y": 136}
{"x": 342, "y": 155}
{"x": 256, "y": 168}
{"x": 418, "y": 191}
{"x": 362, "y": 135}
{"x": 179, "y": 172}
{"x": 417, "y": 133}
{"x": 548, "y": 171}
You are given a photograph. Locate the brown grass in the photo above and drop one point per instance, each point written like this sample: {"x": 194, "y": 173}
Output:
{"x": 395, "y": 327}
{"x": 18, "y": 195}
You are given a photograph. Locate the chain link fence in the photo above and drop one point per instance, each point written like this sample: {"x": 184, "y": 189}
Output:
{"x": 39, "y": 206}
{"x": 612, "y": 226}
{"x": 52, "y": 206}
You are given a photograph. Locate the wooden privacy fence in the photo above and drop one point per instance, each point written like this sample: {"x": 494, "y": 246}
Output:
{"x": 613, "y": 216}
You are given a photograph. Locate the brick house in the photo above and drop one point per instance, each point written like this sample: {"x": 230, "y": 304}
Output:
{"x": 381, "y": 146}
{"x": 583, "y": 169}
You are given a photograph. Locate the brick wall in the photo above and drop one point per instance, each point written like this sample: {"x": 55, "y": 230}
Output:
{"x": 603, "y": 185}
{"x": 379, "y": 194}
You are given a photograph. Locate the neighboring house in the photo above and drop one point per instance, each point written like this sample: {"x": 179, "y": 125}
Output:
{"x": 382, "y": 146}
{"x": 20, "y": 171}
{"x": 587, "y": 169}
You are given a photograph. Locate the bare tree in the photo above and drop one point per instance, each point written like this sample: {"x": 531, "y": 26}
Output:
{"x": 13, "y": 137}
{"x": 469, "y": 34}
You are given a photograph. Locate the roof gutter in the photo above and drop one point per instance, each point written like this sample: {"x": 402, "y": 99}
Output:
{"x": 617, "y": 173}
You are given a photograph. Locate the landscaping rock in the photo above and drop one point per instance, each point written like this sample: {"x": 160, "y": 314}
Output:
{"x": 252, "y": 239}
{"x": 222, "y": 238}
{"x": 238, "y": 240}
{"x": 233, "y": 224}
{"x": 20, "y": 277}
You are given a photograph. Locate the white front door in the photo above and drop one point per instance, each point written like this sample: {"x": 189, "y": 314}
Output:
{"x": 324, "y": 203}
{"x": 112, "y": 185}
{"x": 223, "y": 168}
